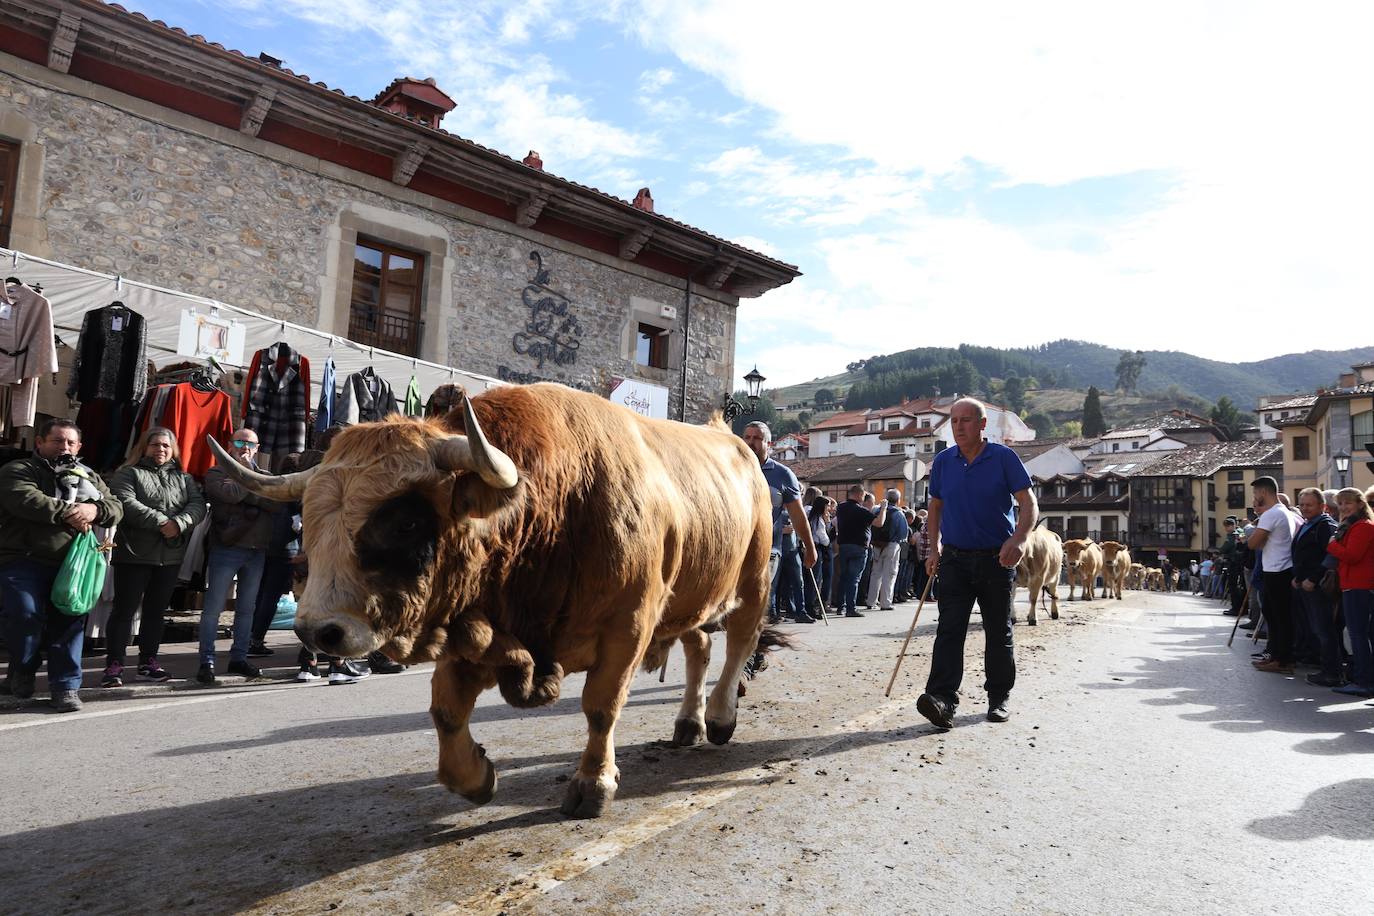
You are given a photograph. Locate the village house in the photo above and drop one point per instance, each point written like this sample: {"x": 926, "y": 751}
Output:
{"x": 790, "y": 447}
{"x": 1163, "y": 432}
{"x": 1081, "y": 505}
{"x": 915, "y": 428}
{"x": 131, "y": 148}
{"x": 1179, "y": 501}
{"x": 1337, "y": 430}
{"x": 1276, "y": 411}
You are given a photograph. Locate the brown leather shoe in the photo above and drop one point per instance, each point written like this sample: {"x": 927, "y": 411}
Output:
{"x": 1275, "y": 666}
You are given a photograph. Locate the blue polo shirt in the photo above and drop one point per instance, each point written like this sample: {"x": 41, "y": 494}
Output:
{"x": 783, "y": 488}
{"x": 977, "y": 498}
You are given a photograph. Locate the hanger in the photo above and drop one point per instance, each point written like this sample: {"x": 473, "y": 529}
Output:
{"x": 118, "y": 304}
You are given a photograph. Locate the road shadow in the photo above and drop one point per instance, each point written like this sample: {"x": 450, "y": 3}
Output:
{"x": 1196, "y": 669}
{"x": 1340, "y": 811}
{"x": 228, "y": 854}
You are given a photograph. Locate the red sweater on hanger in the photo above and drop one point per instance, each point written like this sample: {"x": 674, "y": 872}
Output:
{"x": 193, "y": 414}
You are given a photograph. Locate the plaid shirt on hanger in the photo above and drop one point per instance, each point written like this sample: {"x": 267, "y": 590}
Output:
{"x": 275, "y": 404}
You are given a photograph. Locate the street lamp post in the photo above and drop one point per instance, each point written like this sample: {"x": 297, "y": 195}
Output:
{"x": 754, "y": 385}
{"x": 1342, "y": 460}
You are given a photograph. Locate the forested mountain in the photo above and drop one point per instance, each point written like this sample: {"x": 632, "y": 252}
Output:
{"x": 882, "y": 380}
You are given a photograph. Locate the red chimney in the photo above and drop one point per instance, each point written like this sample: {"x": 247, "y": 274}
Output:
{"x": 644, "y": 200}
{"x": 533, "y": 161}
{"x": 419, "y": 100}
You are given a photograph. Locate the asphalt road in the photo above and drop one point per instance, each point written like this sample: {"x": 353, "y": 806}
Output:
{"x": 1146, "y": 768}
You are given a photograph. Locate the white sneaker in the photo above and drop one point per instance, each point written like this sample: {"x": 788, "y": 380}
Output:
{"x": 345, "y": 672}
{"x": 306, "y": 675}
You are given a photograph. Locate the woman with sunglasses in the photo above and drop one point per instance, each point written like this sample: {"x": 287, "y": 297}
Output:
{"x": 162, "y": 503}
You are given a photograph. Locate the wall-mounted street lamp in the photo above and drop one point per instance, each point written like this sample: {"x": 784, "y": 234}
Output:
{"x": 1342, "y": 460}
{"x": 753, "y": 386}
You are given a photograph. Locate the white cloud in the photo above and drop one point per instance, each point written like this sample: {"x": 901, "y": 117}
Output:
{"x": 1253, "y": 107}
{"x": 655, "y": 80}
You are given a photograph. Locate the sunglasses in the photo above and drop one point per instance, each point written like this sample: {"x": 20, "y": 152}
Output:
{"x": 243, "y": 443}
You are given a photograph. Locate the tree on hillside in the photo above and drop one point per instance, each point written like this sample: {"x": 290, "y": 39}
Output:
{"x": 1042, "y": 424}
{"x": 804, "y": 420}
{"x": 784, "y": 426}
{"x": 1128, "y": 369}
{"x": 1227, "y": 418}
{"x": 1072, "y": 428}
{"x": 1014, "y": 391}
{"x": 1093, "y": 423}
{"x": 824, "y": 397}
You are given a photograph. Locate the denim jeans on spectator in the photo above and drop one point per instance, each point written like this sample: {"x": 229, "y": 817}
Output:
{"x": 34, "y": 626}
{"x": 791, "y": 599}
{"x": 774, "y": 561}
{"x": 1359, "y": 620}
{"x": 851, "y": 568}
{"x": 966, "y": 578}
{"x": 276, "y": 581}
{"x": 1321, "y": 620}
{"x": 226, "y": 563}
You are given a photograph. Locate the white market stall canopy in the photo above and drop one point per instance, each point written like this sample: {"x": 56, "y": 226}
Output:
{"x": 73, "y": 291}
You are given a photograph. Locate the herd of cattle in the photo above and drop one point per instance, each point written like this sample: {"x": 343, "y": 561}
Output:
{"x": 1046, "y": 556}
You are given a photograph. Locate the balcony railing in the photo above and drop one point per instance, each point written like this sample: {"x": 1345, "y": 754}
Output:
{"x": 376, "y": 327}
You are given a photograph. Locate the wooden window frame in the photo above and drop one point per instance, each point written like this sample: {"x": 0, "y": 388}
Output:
{"x": 9, "y": 191}
{"x": 658, "y": 345}
{"x": 376, "y": 337}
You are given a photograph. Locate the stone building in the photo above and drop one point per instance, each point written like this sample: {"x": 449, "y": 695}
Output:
{"x": 130, "y": 147}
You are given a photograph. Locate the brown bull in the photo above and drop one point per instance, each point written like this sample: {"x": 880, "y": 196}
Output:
{"x": 547, "y": 531}
{"x": 1038, "y": 571}
{"x": 1084, "y": 558}
{"x": 1116, "y": 566}
{"x": 1136, "y": 577}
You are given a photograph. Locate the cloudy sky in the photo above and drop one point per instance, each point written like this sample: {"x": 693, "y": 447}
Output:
{"x": 1191, "y": 176}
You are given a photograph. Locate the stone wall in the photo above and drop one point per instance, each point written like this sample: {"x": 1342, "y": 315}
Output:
{"x": 162, "y": 198}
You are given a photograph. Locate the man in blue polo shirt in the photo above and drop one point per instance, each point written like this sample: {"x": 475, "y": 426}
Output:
{"x": 789, "y": 519}
{"x": 975, "y": 546}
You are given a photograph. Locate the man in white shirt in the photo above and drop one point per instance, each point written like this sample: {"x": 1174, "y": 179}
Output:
{"x": 1273, "y": 537}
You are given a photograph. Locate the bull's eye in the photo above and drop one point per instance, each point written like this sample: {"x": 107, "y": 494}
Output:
{"x": 398, "y": 541}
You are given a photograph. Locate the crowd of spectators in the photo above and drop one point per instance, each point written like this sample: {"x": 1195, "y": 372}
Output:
{"x": 167, "y": 529}
{"x": 870, "y": 553}
{"x": 1304, "y": 577}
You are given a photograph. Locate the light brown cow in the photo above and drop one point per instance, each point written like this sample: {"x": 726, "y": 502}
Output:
{"x": 1084, "y": 558}
{"x": 1136, "y": 577}
{"x": 1154, "y": 579}
{"x": 560, "y": 533}
{"x": 1038, "y": 571}
{"x": 1116, "y": 565}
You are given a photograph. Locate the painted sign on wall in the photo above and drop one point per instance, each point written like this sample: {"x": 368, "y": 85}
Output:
{"x": 641, "y": 397}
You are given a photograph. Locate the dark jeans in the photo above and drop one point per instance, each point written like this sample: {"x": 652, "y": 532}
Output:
{"x": 1278, "y": 614}
{"x": 1359, "y": 620}
{"x": 139, "y": 585}
{"x": 1321, "y": 621}
{"x": 276, "y": 581}
{"x": 851, "y": 568}
{"x": 788, "y": 593}
{"x": 965, "y": 578}
{"x": 33, "y": 625}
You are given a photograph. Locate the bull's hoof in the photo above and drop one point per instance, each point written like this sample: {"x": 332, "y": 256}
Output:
{"x": 720, "y": 733}
{"x": 483, "y": 793}
{"x": 1030, "y": 621}
{"x": 742, "y": 689}
{"x": 588, "y": 797}
{"x": 688, "y": 732}
{"x": 1054, "y": 615}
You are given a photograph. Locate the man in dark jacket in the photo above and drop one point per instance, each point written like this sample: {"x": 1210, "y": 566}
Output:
{"x": 1309, "y": 566}
{"x": 36, "y": 528}
{"x": 240, "y": 532}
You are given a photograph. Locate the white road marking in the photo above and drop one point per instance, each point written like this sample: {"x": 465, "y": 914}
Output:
{"x": 265, "y": 690}
{"x": 552, "y": 874}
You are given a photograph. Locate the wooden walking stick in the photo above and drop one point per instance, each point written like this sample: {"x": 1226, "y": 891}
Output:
{"x": 821, "y": 598}
{"x": 900, "y": 655}
{"x": 1244, "y": 609}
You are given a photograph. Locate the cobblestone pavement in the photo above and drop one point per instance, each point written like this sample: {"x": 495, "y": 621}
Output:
{"x": 1146, "y": 768}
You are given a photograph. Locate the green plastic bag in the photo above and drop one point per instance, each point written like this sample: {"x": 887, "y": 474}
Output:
{"x": 81, "y": 577}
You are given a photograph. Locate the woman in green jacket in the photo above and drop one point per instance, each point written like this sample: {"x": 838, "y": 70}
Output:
{"x": 162, "y": 503}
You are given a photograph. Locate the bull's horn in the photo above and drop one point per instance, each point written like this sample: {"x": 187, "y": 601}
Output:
{"x": 473, "y": 453}
{"x": 284, "y": 488}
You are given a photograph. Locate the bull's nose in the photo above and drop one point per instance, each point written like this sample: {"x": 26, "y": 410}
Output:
{"x": 329, "y": 638}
